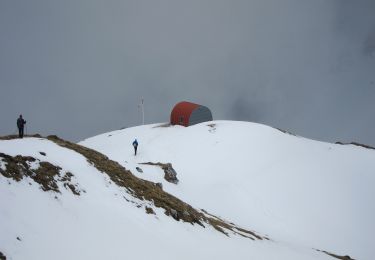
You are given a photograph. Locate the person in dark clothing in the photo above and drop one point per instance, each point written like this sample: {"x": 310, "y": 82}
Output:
{"x": 135, "y": 145}
{"x": 20, "y": 124}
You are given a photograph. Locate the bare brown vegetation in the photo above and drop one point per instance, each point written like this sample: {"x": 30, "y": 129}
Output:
{"x": 357, "y": 144}
{"x": 11, "y": 137}
{"x": 46, "y": 175}
{"x": 346, "y": 257}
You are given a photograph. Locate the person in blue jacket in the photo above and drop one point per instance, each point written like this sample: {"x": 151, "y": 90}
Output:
{"x": 135, "y": 145}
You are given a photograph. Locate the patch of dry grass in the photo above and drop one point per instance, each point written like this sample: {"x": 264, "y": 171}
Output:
{"x": 357, "y": 144}
{"x": 46, "y": 175}
{"x": 11, "y": 137}
{"x": 285, "y": 132}
{"x": 345, "y": 257}
{"x": 149, "y": 210}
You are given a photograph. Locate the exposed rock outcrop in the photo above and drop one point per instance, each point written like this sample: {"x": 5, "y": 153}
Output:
{"x": 170, "y": 174}
{"x": 2, "y": 256}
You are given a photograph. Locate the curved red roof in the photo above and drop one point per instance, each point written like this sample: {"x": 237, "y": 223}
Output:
{"x": 181, "y": 113}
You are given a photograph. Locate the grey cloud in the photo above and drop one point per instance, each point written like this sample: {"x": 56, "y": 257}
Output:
{"x": 369, "y": 45}
{"x": 79, "y": 68}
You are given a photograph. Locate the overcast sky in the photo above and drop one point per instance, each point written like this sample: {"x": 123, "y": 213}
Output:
{"x": 79, "y": 68}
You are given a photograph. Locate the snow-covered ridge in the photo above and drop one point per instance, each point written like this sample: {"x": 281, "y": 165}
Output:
{"x": 114, "y": 215}
{"x": 50, "y": 165}
{"x": 294, "y": 189}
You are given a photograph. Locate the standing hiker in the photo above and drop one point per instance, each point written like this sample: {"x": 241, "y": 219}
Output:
{"x": 135, "y": 145}
{"x": 20, "y": 124}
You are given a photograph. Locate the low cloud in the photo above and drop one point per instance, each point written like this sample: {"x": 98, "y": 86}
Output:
{"x": 77, "y": 69}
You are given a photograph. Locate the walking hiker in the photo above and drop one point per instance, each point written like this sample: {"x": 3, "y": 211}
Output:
{"x": 20, "y": 124}
{"x": 135, "y": 145}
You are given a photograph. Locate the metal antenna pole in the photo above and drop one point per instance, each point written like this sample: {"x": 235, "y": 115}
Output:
{"x": 143, "y": 112}
{"x": 141, "y": 106}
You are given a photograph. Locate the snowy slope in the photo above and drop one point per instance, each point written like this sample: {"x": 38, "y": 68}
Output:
{"x": 304, "y": 192}
{"x": 105, "y": 221}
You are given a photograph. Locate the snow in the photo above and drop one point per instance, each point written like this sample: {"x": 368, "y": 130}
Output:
{"x": 3, "y": 165}
{"x": 101, "y": 224}
{"x": 303, "y": 194}
{"x": 293, "y": 189}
